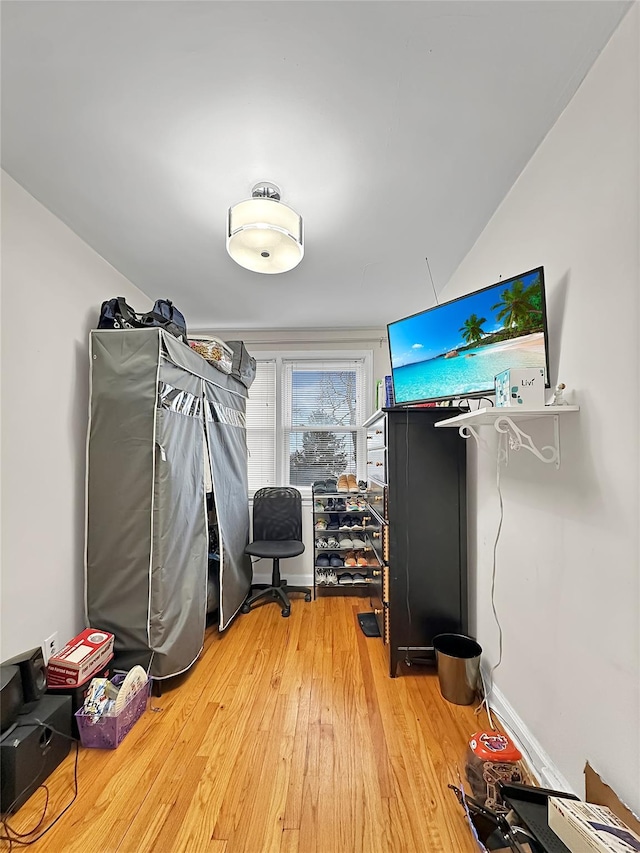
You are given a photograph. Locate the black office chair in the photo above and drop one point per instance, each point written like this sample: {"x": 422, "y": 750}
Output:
{"x": 277, "y": 534}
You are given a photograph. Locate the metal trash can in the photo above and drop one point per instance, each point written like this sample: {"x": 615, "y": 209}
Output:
{"x": 458, "y": 663}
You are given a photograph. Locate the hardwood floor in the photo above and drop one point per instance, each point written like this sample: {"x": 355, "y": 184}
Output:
{"x": 288, "y": 735}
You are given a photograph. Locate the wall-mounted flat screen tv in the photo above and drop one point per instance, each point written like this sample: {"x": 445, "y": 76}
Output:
{"x": 454, "y": 350}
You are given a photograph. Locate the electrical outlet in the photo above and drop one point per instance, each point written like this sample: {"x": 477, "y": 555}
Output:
{"x": 50, "y": 646}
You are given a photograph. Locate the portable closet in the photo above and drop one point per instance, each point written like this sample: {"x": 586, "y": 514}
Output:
{"x": 163, "y": 424}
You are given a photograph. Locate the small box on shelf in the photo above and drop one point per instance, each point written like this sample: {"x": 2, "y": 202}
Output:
{"x": 522, "y": 388}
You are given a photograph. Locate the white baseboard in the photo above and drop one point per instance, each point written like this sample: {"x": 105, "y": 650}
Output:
{"x": 540, "y": 763}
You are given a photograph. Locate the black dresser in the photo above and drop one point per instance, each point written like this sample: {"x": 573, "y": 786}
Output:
{"x": 418, "y": 527}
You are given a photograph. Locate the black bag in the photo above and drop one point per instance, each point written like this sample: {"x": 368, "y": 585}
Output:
{"x": 243, "y": 365}
{"x": 117, "y": 314}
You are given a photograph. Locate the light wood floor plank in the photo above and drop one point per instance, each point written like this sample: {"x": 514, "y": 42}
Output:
{"x": 287, "y": 736}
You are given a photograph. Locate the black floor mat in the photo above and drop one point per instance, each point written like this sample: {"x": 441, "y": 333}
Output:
{"x": 369, "y": 624}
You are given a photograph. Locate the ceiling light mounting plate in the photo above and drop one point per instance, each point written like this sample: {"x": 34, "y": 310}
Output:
{"x": 265, "y": 189}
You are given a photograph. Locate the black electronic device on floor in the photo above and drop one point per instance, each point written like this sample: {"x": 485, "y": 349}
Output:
{"x": 32, "y": 748}
{"x": 531, "y": 804}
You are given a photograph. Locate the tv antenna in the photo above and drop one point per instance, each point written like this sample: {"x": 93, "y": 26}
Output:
{"x": 435, "y": 292}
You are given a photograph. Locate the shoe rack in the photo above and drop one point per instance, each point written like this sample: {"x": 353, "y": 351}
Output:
{"x": 344, "y": 558}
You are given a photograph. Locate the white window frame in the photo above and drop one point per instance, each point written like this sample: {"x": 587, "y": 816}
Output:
{"x": 281, "y": 452}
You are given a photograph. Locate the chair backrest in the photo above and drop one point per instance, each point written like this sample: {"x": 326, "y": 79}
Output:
{"x": 277, "y": 514}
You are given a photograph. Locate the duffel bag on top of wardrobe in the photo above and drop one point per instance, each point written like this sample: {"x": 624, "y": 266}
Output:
{"x": 117, "y": 314}
{"x": 243, "y": 365}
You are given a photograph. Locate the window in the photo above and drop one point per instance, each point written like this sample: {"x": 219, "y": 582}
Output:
{"x": 304, "y": 418}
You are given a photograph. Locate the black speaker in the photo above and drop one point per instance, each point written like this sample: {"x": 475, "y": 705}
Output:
{"x": 33, "y": 673}
{"x": 30, "y": 752}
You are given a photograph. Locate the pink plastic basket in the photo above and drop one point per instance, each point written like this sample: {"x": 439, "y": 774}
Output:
{"x": 108, "y": 732}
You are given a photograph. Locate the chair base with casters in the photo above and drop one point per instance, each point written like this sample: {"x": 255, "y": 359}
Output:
{"x": 278, "y": 589}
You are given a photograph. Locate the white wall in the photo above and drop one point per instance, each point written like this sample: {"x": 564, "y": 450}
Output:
{"x": 567, "y": 589}
{"x": 52, "y": 287}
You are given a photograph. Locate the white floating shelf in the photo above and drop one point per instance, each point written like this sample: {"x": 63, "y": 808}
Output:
{"x": 490, "y": 414}
{"x": 503, "y": 419}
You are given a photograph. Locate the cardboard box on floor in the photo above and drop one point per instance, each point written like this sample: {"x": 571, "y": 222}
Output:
{"x": 597, "y": 791}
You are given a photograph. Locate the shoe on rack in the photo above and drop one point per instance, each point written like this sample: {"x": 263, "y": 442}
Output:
{"x": 356, "y": 524}
{"x": 321, "y": 577}
{"x": 362, "y": 561}
{"x": 352, "y": 483}
{"x": 358, "y": 543}
{"x": 332, "y": 578}
{"x": 339, "y": 505}
{"x": 362, "y": 485}
{"x": 330, "y": 485}
{"x": 345, "y": 579}
{"x": 358, "y": 578}
{"x": 346, "y": 523}
{"x": 336, "y": 561}
{"x": 318, "y": 505}
{"x": 332, "y": 543}
{"x": 321, "y": 542}
{"x": 322, "y": 560}
{"x": 319, "y": 487}
{"x": 345, "y": 542}
{"x": 321, "y": 524}
{"x": 343, "y": 484}
{"x": 350, "y": 560}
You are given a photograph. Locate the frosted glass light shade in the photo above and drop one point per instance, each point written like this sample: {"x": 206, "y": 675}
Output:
{"x": 264, "y": 235}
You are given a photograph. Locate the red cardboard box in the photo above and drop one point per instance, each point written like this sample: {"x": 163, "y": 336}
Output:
{"x": 81, "y": 657}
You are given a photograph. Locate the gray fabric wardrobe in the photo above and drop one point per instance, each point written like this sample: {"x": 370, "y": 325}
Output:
{"x": 164, "y": 426}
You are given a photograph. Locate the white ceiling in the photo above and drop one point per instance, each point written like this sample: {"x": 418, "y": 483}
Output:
{"x": 395, "y": 128}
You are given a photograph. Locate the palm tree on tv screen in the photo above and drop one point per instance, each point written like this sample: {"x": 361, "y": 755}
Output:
{"x": 519, "y": 306}
{"x": 472, "y": 330}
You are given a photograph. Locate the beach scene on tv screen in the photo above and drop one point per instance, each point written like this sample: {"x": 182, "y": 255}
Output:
{"x": 457, "y": 348}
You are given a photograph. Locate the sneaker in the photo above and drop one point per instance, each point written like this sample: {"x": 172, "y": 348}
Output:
{"x": 358, "y": 578}
{"x": 322, "y": 560}
{"x": 332, "y": 543}
{"x": 332, "y": 578}
{"x": 362, "y": 561}
{"x": 345, "y": 542}
{"x": 318, "y": 506}
{"x": 345, "y": 579}
{"x": 330, "y": 485}
{"x": 321, "y": 542}
{"x": 346, "y": 523}
{"x": 321, "y": 577}
{"x": 342, "y": 484}
{"x": 336, "y": 561}
{"x": 357, "y": 542}
{"x": 319, "y": 487}
{"x": 362, "y": 485}
{"x": 350, "y": 560}
{"x": 321, "y": 524}
{"x": 339, "y": 505}
{"x": 356, "y": 524}
{"x": 352, "y": 483}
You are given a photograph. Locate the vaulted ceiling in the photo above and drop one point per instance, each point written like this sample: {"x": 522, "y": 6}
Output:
{"x": 395, "y": 128}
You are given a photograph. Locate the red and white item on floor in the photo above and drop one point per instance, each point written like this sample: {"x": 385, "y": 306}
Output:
{"x": 83, "y": 656}
{"x": 491, "y": 758}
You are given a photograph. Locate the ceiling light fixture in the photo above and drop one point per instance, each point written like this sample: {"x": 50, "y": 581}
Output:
{"x": 263, "y": 234}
